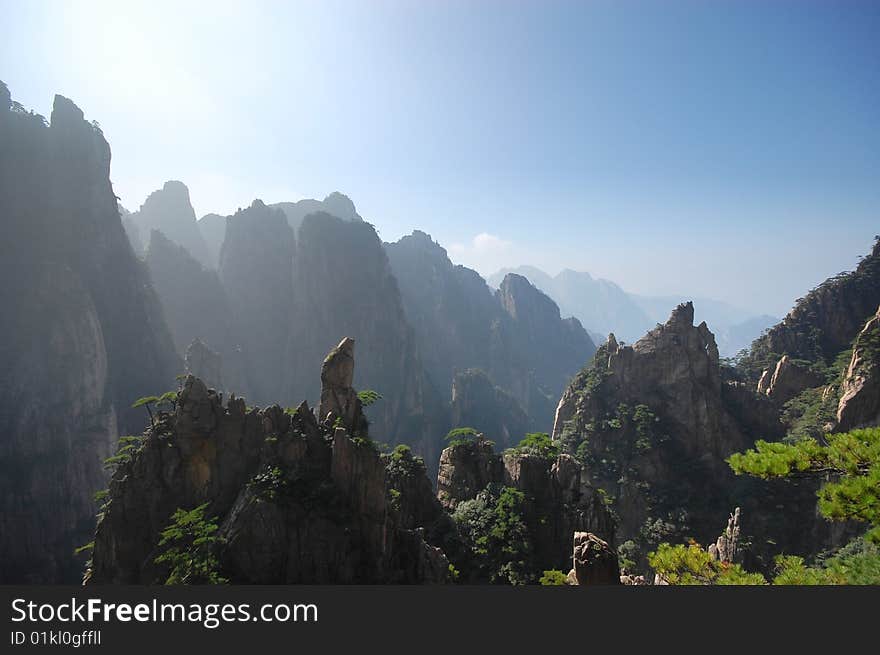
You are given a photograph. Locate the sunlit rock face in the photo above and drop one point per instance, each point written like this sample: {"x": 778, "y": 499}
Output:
{"x": 83, "y": 336}
{"x": 859, "y": 404}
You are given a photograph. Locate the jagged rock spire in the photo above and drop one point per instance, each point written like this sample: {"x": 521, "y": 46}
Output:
{"x": 339, "y": 400}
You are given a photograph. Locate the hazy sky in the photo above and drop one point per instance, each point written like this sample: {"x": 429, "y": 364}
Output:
{"x": 720, "y": 149}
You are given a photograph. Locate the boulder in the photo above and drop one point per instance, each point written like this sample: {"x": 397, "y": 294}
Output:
{"x": 595, "y": 562}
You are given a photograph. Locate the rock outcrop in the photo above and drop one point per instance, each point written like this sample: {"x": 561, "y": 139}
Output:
{"x": 557, "y": 500}
{"x": 82, "y": 337}
{"x": 788, "y": 380}
{"x": 728, "y": 547}
{"x": 860, "y": 393}
{"x": 339, "y": 400}
{"x": 296, "y": 501}
{"x": 594, "y": 561}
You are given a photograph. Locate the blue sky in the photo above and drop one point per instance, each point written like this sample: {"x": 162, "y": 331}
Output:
{"x": 720, "y": 149}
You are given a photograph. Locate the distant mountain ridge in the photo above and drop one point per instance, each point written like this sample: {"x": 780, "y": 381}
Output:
{"x": 603, "y": 307}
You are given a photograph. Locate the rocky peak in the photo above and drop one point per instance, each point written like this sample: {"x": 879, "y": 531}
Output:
{"x": 678, "y": 335}
{"x": 727, "y": 548}
{"x": 169, "y": 210}
{"x": 339, "y": 400}
{"x": 524, "y": 302}
{"x": 637, "y": 414}
{"x": 65, "y": 113}
{"x": 340, "y": 205}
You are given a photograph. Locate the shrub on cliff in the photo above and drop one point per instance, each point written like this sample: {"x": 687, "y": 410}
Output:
{"x": 538, "y": 443}
{"x": 188, "y": 548}
{"x": 492, "y": 526}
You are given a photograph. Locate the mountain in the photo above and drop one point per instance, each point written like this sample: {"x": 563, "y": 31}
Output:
{"x": 213, "y": 230}
{"x": 515, "y": 335}
{"x": 653, "y": 424}
{"x": 83, "y": 336}
{"x": 604, "y": 308}
{"x": 600, "y": 305}
{"x": 336, "y": 204}
{"x": 170, "y": 211}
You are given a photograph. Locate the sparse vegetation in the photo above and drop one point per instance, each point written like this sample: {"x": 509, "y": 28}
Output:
{"x": 188, "y": 547}
{"x": 538, "y": 443}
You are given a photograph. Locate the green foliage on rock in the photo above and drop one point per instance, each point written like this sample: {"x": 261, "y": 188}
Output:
{"x": 126, "y": 448}
{"x": 460, "y": 436}
{"x": 403, "y": 463}
{"x": 268, "y": 483}
{"x": 493, "y": 527}
{"x": 538, "y": 443}
{"x": 188, "y": 548}
{"x": 368, "y": 397}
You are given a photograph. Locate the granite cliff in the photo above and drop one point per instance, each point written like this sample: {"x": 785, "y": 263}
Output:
{"x": 83, "y": 336}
